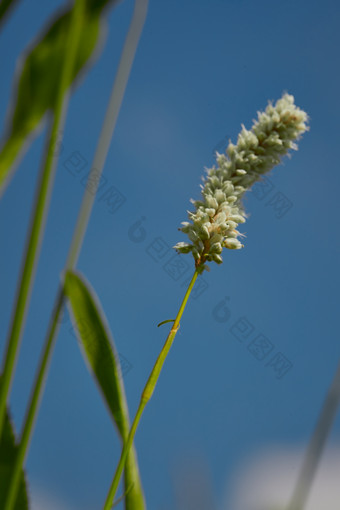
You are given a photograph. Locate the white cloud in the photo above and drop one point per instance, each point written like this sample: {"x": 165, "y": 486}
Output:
{"x": 42, "y": 499}
{"x": 267, "y": 480}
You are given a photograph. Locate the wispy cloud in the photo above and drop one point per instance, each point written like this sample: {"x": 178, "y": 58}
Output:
{"x": 43, "y": 499}
{"x": 267, "y": 480}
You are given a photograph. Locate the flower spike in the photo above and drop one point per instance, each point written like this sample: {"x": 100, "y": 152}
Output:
{"x": 213, "y": 224}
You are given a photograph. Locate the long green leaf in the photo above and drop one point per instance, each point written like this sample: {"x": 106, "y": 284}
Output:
{"x": 36, "y": 84}
{"x": 5, "y": 7}
{"x": 101, "y": 356}
{"x": 8, "y": 450}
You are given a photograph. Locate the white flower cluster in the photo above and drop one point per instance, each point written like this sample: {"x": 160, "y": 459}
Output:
{"x": 212, "y": 226}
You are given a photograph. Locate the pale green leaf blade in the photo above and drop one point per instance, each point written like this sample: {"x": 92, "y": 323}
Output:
{"x": 8, "y": 449}
{"x": 101, "y": 356}
{"x": 5, "y": 7}
{"x": 36, "y": 83}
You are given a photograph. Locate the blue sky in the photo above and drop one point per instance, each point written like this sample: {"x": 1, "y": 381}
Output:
{"x": 201, "y": 69}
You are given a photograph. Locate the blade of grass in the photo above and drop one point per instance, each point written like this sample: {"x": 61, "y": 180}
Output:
{"x": 6, "y": 6}
{"x": 8, "y": 450}
{"x": 36, "y": 229}
{"x": 110, "y": 120}
{"x": 316, "y": 445}
{"x": 35, "y": 236}
{"x": 102, "y": 358}
{"x": 146, "y": 395}
{"x": 36, "y": 83}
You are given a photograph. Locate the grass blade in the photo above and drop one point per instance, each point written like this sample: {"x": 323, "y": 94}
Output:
{"x": 8, "y": 450}
{"x": 114, "y": 104}
{"x": 101, "y": 356}
{"x": 31, "y": 256}
{"x": 6, "y": 6}
{"x": 36, "y": 84}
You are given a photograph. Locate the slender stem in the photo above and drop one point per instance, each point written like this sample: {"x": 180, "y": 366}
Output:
{"x": 146, "y": 395}
{"x": 34, "y": 238}
{"x": 316, "y": 445}
{"x": 110, "y": 120}
{"x": 60, "y": 107}
{"x": 108, "y": 128}
{"x": 30, "y": 417}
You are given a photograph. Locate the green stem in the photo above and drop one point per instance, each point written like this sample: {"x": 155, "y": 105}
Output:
{"x": 36, "y": 230}
{"x": 36, "y": 234}
{"x": 109, "y": 123}
{"x": 146, "y": 396}
{"x": 108, "y": 128}
{"x": 316, "y": 445}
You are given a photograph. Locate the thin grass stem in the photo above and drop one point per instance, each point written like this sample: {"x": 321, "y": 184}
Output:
{"x": 316, "y": 445}
{"x": 60, "y": 107}
{"x": 146, "y": 396}
{"x": 110, "y": 120}
{"x": 35, "y": 235}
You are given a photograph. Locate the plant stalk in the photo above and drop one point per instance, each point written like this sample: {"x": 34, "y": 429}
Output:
{"x": 316, "y": 445}
{"x": 34, "y": 239}
{"x": 37, "y": 230}
{"x": 108, "y": 127}
{"x": 146, "y": 396}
